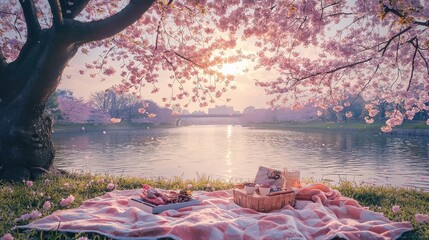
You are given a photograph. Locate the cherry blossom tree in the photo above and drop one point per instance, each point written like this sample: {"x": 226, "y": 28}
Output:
{"x": 315, "y": 51}
{"x": 74, "y": 110}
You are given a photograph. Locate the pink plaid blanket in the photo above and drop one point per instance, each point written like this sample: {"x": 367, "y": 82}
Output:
{"x": 326, "y": 216}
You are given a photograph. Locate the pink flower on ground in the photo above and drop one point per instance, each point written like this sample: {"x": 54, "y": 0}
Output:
{"x": 29, "y": 183}
{"x": 67, "y": 201}
{"x": 422, "y": 218}
{"x": 396, "y": 208}
{"x": 110, "y": 186}
{"x": 189, "y": 186}
{"x": 7, "y": 236}
{"x": 47, "y": 205}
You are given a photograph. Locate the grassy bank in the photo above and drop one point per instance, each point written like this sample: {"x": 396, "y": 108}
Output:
{"x": 353, "y": 125}
{"x": 17, "y": 199}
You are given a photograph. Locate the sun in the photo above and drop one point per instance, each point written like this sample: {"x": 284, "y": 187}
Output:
{"x": 232, "y": 68}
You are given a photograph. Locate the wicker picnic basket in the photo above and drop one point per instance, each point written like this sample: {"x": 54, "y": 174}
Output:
{"x": 273, "y": 201}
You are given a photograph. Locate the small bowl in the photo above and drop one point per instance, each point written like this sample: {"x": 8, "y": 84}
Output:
{"x": 264, "y": 191}
{"x": 249, "y": 190}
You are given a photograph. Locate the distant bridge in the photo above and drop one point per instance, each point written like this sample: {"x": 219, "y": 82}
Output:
{"x": 209, "y": 115}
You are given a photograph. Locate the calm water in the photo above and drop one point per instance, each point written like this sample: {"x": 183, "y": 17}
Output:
{"x": 235, "y": 152}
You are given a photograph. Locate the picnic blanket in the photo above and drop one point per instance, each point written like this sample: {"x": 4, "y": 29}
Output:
{"x": 322, "y": 213}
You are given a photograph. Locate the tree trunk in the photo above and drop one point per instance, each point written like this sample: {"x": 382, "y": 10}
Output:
{"x": 26, "y": 148}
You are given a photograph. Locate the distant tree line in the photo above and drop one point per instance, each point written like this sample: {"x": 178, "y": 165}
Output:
{"x": 103, "y": 106}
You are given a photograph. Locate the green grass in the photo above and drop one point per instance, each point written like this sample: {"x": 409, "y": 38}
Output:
{"x": 17, "y": 199}
{"x": 352, "y": 125}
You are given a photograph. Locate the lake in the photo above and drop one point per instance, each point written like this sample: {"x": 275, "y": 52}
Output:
{"x": 235, "y": 153}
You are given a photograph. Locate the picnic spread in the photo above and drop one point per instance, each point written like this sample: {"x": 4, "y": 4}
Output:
{"x": 314, "y": 211}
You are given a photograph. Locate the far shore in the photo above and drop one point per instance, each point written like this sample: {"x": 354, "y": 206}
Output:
{"x": 59, "y": 128}
{"x": 412, "y": 128}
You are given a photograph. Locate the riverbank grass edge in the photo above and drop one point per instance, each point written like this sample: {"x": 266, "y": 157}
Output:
{"x": 20, "y": 198}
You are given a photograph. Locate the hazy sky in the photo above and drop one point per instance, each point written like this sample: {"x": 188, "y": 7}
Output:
{"x": 246, "y": 94}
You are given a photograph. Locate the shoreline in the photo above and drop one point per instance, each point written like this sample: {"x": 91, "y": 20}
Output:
{"x": 64, "y": 128}
{"x": 407, "y": 129}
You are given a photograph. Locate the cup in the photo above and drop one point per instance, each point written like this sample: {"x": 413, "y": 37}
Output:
{"x": 249, "y": 190}
{"x": 264, "y": 191}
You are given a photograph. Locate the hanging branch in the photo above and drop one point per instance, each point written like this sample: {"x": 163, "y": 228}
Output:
{"x": 416, "y": 46}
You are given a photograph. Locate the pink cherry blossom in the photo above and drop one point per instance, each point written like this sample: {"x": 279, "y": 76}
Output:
{"x": 7, "y": 236}
{"x": 396, "y": 208}
{"x": 386, "y": 129}
{"x": 67, "y": 201}
{"x": 338, "y": 108}
{"x": 422, "y": 218}
{"x": 109, "y": 71}
{"x": 369, "y": 120}
{"x": 110, "y": 186}
{"x": 47, "y": 205}
{"x": 115, "y": 120}
{"x": 29, "y": 183}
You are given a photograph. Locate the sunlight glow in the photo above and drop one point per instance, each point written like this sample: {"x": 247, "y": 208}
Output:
{"x": 232, "y": 68}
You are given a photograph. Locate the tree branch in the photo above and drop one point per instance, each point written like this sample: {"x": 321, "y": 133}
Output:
{"x": 30, "y": 15}
{"x": 416, "y": 46}
{"x": 101, "y": 29}
{"x": 335, "y": 69}
{"x": 187, "y": 59}
{"x": 399, "y": 14}
{"x": 392, "y": 38}
{"x": 71, "y": 8}
{"x": 57, "y": 16}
